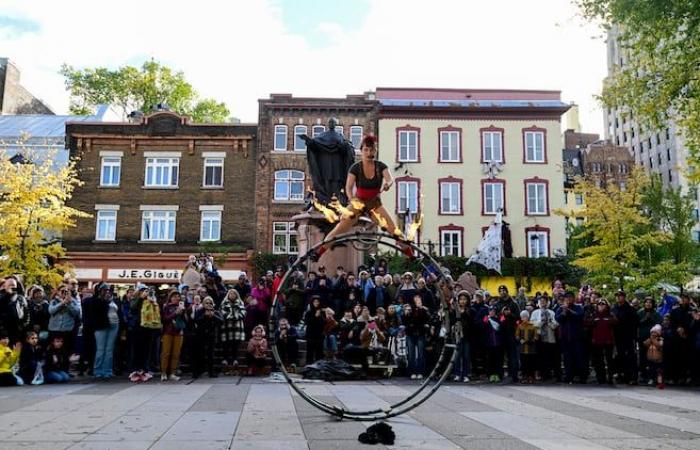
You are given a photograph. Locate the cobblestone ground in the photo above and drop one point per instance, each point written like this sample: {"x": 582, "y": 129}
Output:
{"x": 248, "y": 413}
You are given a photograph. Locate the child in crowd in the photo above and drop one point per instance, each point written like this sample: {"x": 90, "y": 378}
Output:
{"x": 655, "y": 354}
{"x": 347, "y": 323}
{"x": 56, "y": 362}
{"x": 494, "y": 349}
{"x": 526, "y": 335}
{"x": 30, "y": 360}
{"x": 8, "y": 358}
{"x": 257, "y": 349}
{"x": 330, "y": 328}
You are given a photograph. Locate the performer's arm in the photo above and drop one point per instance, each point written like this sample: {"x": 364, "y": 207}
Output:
{"x": 349, "y": 184}
{"x": 388, "y": 180}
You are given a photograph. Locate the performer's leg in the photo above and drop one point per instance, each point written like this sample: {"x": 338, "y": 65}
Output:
{"x": 382, "y": 218}
{"x": 345, "y": 224}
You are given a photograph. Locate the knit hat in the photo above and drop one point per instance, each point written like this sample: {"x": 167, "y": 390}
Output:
{"x": 524, "y": 314}
{"x": 479, "y": 293}
{"x": 464, "y": 293}
{"x": 656, "y": 329}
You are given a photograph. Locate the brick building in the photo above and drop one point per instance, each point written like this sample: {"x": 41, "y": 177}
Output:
{"x": 607, "y": 162}
{"x": 282, "y": 178}
{"x": 159, "y": 189}
{"x": 15, "y": 98}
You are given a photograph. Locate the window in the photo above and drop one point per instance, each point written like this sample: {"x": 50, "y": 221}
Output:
{"x": 450, "y": 148}
{"x": 536, "y": 202}
{"x": 210, "y": 229}
{"x": 106, "y": 225}
{"x": 450, "y": 196}
{"x": 658, "y": 155}
{"x": 317, "y": 129}
{"x": 111, "y": 171}
{"x": 537, "y": 242}
{"x": 696, "y": 236}
{"x": 284, "y": 238}
{"x": 408, "y": 145}
{"x": 668, "y": 135}
{"x": 158, "y": 226}
{"x": 492, "y": 146}
{"x": 579, "y": 199}
{"x": 623, "y": 186}
{"x": 493, "y": 196}
{"x": 299, "y": 144}
{"x": 534, "y": 143}
{"x": 280, "y": 138}
{"x": 356, "y": 136}
{"x": 213, "y": 172}
{"x": 289, "y": 185}
{"x": 696, "y": 214}
{"x": 407, "y": 191}
{"x": 579, "y": 221}
{"x": 451, "y": 241}
{"x": 668, "y": 154}
{"x": 162, "y": 172}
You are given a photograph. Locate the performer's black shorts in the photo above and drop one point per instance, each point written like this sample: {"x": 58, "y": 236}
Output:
{"x": 370, "y": 205}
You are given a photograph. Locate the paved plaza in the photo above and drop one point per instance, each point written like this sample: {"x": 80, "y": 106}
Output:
{"x": 249, "y": 413}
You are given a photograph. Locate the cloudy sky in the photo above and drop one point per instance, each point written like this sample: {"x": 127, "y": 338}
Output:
{"x": 238, "y": 52}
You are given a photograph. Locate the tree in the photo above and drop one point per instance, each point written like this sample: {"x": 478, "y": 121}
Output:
{"x": 129, "y": 89}
{"x": 617, "y": 230}
{"x": 660, "y": 79}
{"x": 33, "y": 214}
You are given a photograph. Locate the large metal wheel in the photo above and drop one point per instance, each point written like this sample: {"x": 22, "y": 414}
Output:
{"x": 438, "y": 374}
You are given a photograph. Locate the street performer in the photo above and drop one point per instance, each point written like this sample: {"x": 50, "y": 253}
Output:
{"x": 368, "y": 178}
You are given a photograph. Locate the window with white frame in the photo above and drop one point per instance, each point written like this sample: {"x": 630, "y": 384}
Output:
{"x": 408, "y": 146}
{"x": 408, "y": 196}
{"x": 106, "y": 229}
{"x": 158, "y": 226}
{"x": 280, "y": 138}
{"x": 449, "y": 146}
{"x": 493, "y": 198}
{"x": 450, "y": 197}
{"x": 538, "y": 244}
{"x": 210, "y": 229}
{"x": 289, "y": 185}
{"x": 213, "y": 172}
{"x": 536, "y": 198}
{"x": 451, "y": 243}
{"x": 317, "y": 129}
{"x": 579, "y": 199}
{"x": 162, "y": 172}
{"x": 111, "y": 171}
{"x": 493, "y": 146}
{"x": 356, "y": 136}
{"x": 284, "y": 238}
{"x": 299, "y": 143}
{"x": 534, "y": 146}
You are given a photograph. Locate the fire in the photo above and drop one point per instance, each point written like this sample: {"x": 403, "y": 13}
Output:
{"x": 383, "y": 224}
{"x": 414, "y": 227}
{"x": 345, "y": 213}
{"x": 328, "y": 213}
{"x": 357, "y": 204}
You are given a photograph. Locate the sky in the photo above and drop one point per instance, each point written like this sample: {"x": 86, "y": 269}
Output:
{"x": 240, "y": 51}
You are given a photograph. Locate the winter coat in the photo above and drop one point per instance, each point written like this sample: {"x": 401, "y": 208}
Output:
{"x": 314, "y": 324}
{"x": 8, "y": 358}
{"x": 56, "y": 360}
{"x": 232, "y": 328}
{"x": 570, "y": 322}
{"x": 417, "y": 323}
{"x": 63, "y": 317}
{"x": 627, "y": 323}
{"x": 29, "y": 359}
{"x": 257, "y": 347}
{"x": 527, "y": 335}
{"x": 602, "y": 328}
{"x": 545, "y": 321}
{"x": 170, "y": 319}
{"x": 39, "y": 315}
{"x": 647, "y": 319}
{"x": 207, "y": 327}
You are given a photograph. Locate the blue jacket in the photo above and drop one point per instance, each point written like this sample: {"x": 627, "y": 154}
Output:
{"x": 570, "y": 322}
{"x": 63, "y": 317}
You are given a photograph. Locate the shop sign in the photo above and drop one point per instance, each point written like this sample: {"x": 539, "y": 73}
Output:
{"x": 144, "y": 274}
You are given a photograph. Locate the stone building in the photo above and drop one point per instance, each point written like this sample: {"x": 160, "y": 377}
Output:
{"x": 160, "y": 189}
{"x": 15, "y": 98}
{"x": 608, "y": 163}
{"x": 282, "y": 176}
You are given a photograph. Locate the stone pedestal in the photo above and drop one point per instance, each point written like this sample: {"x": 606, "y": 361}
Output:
{"x": 309, "y": 234}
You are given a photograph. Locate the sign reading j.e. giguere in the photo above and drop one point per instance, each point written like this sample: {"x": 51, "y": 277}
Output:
{"x": 144, "y": 274}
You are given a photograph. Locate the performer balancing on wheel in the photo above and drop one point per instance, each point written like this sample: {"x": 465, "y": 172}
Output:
{"x": 368, "y": 177}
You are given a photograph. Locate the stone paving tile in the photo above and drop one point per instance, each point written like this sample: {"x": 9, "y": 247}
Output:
{"x": 221, "y": 397}
{"x": 341, "y": 444}
{"x": 33, "y": 445}
{"x": 62, "y": 404}
{"x": 72, "y": 426}
{"x": 112, "y": 445}
{"x": 174, "y": 398}
{"x": 189, "y": 445}
{"x": 203, "y": 426}
{"x": 149, "y": 426}
{"x": 270, "y": 445}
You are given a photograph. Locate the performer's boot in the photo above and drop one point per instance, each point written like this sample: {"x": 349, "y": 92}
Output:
{"x": 317, "y": 253}
{"x": 408, "y": 251}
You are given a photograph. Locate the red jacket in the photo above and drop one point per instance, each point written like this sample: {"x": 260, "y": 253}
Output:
{"x": 602, "y": 328}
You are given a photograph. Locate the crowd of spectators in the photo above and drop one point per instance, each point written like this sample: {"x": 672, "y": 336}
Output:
{"x": 369, "y": 318}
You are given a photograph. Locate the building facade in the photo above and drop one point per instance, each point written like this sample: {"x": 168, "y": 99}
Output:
{"x": 160, "y": 189}
{"x": 661, "y": 151}
{"x": 461, "y": 156}
{"x": 575, "y": 144}
{"x": 282, "y": 175}
{"x": 15, "y": 98}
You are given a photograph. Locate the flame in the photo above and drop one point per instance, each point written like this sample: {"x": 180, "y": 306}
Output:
{"x": 329, "y": 214}
{"x": 414, "y": 227}
{"x": 357, "y": 204}
{"x": 383, "y": 224}
{"x": 345, "y": 213}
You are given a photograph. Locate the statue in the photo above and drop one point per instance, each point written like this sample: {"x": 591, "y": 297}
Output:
{"x": 329, "y": 156}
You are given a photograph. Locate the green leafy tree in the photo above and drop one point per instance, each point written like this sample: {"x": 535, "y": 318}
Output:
{"x": 660, "y": 79}
{"x": 33, "y": 215}
{"x": 129, "y": 88}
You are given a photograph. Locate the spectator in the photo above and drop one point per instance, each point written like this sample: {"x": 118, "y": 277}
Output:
{"x": 207, "y": 322}
{"x": 391, "y": 286}
{"x": 232, "y": 328}
{"x": 680, "y": 346}
{"x": 315, "y": 321}
{"x": 294, "y": 303}
{"x": 330, "y": 328}
{"x": 648, "y": 317}
{"x": 277, "y": 281}
{"x": 509, "y": 324}
{"x": 570, "y": 320}
{"x": 602, "y": 325}
{"x": 527, "y": 337}
{"x": 105, "y": 322}
{"x": 39, "y": 312}
{"x": 287, "y": 343}
{"x": 8, "y": 358}
{"x": 494, "y": 346}
{"x": 477, "y": 336}
{"x": 504, "y": 299}
{"x": 416, "y": 319}
{"x": 14, "y": 310}
{"x": 461, "y": 318}
{"x": 64, "y": 312}
{"x": 171, "y": 342}
{"x": 521, "y": 298}
{"x": 257, "y": 350}
{"x": 30, "y": 360}
{"x": 258, "y": 305}
{"x": 695, "y": 336}
{"x": 339, "y": 290}
{"x": 146, "y": 306}
{"x": 545, "y": 321}
{"x": 243, "y": 286}
{"x": 56, "y": 362}
{"x": 408, "y": 288}
{"x": 655, "y": 354}
{"x": 625, "y": 339}
{"x": 191, "y": 274}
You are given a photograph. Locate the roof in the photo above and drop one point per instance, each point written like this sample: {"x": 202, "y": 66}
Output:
{"x": 43, "y": 125}
{"x": 469, "y": 98}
